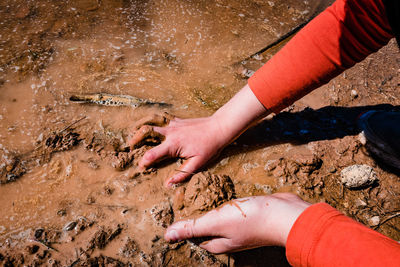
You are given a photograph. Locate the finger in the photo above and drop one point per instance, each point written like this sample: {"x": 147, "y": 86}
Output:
{"x": 154, "y": 155}
{"x": 186, "y": 170}
{"x": 154, "y": 119}
{"x": 217, "y": 245}
{"x": 146, "y": 131}
{"x": 204, "y": 226}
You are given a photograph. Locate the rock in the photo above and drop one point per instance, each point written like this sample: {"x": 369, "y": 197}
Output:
{"x": 374, "y": 221}
{"x": 354, "y": 94}
{"x": 357, "y": 176}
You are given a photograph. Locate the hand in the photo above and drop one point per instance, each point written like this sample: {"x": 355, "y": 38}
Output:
{"x": 243, "y": 223}
{"x": 196, "y": 140}
{"x": 199, "y": 140}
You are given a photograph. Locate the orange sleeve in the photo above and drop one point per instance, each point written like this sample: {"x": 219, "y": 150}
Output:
{"x": 344, "y": 34}
{"x": 322, "y": 236}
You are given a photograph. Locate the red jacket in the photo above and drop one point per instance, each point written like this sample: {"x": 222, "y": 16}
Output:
{"x": 338, "y": 38}
{"x": 322, "y": 236}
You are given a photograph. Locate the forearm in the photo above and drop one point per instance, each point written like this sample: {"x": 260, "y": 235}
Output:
{"x": 339, "y": 37}
{"x": 239, "y": 113}
{"x": 322, "y": 236}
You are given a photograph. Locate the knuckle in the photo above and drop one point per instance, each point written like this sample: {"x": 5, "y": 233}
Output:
{"x": 146, "y": 128}
{"x": 150, "y": 155}
{"x": 191, "y": 231}
{"x": 173, "y": 142}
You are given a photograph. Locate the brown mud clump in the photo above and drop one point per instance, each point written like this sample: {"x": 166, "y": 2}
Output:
{"x": 110, "y": 146}
{"x": 130, "y": 249}
{"x": 163, "y": 214}
{"x": 206, "y": 191}
{"x": 16, "y": 165}
{"x": 102, "y": 237}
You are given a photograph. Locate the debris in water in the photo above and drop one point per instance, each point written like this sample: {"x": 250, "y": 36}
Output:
{"x": 114, "y": 100}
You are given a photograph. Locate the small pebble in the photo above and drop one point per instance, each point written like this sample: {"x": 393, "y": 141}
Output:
{"x": 374, "y": 221}
{"x": 356, "y": 176}
{"x": 354, "y": 94}
{"x": 61, "y": 212}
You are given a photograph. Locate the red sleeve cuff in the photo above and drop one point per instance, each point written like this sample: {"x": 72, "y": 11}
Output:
{"x": 322, "y": 236}
{"x": 305, "y": 232}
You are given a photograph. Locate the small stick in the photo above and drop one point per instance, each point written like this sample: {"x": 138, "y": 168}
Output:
{"x": 44, "y": 244}
{"x": 75, "y": 122}
{"x": 110, "y": 206}
{"x": 387, "y": 219}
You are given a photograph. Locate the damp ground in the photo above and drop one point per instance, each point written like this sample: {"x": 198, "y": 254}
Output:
{"x": 70, "y": 192}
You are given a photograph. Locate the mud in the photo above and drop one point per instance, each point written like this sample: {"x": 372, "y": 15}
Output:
{"x": 206, "y": 191}
{"x": 70, "y": 190}
{"x": 15, "y": 165}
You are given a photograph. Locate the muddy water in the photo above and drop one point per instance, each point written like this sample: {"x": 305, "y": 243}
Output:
{"x": 185, "y": 53}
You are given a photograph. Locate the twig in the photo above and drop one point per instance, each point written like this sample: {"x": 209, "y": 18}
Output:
{"x": 109, "y": 206}
{"x": 44, "y": 244}
{"x": 387, "y": 219}
{"x": 75, "y": 122}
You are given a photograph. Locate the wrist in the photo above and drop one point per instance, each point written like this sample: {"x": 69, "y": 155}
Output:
{"x": 239, "y": 114}
{"x": 279, "y": 216}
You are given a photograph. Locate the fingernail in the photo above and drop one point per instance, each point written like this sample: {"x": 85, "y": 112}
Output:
{"x": 170, "y": 183}
{"x": 172, "y": 235}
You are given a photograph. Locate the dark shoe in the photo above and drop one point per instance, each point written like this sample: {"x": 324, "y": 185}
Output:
{"x": 382, "y": 133}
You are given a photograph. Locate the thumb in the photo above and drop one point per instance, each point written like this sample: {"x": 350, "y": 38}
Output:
{"x": 204, "y": 226}
{"x": 217, "y": 245}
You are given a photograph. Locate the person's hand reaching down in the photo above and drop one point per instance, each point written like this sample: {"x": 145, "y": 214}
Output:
{"x": 243, "y": 223}
{"x": 196, "y": 140}
{"x": 199, "y": 140}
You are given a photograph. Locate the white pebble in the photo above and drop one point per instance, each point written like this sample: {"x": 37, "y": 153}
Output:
{"x": 374, "y": 221}
{"x": 358, "y": 176}
{"x": 354, "y": 93}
